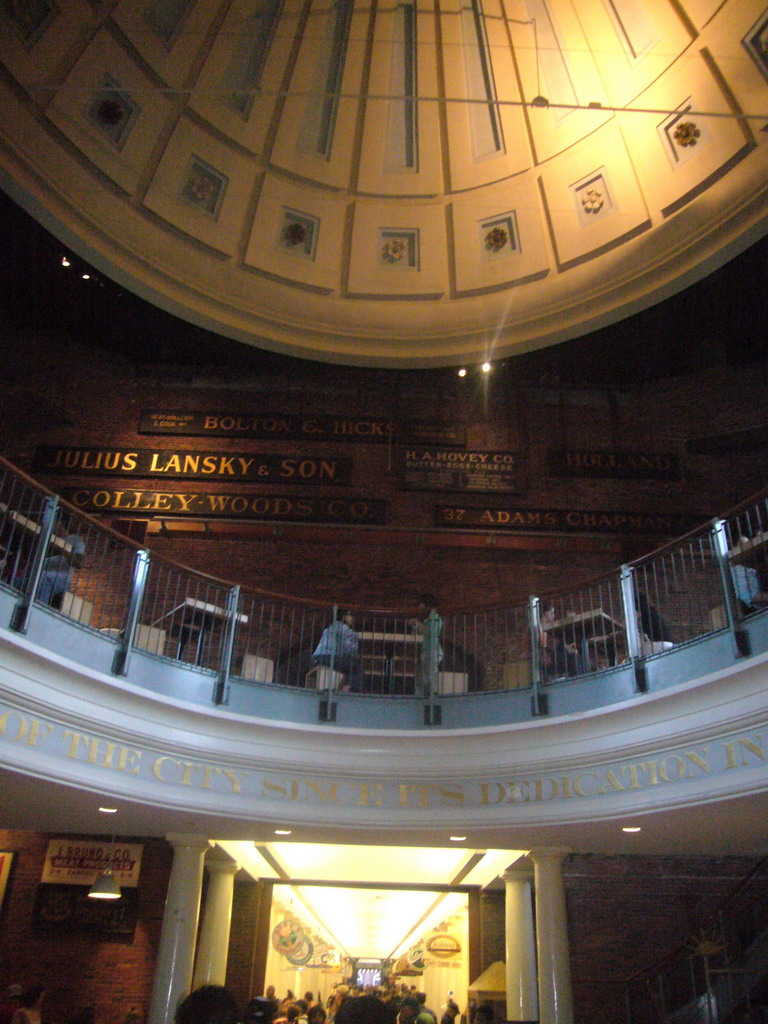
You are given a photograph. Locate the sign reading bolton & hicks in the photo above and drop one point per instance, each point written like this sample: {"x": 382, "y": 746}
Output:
{"x": 289, "y": 427}
{"x": 255, "y": 467}
{"x": 613, "y": 465}
{"x": 559, "y": 520}
{"x": 441, "y": 469}
{"x": 278, "y": 508}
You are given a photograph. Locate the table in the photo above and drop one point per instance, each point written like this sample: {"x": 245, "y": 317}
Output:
{"x": 196, "y": 617}
{"x": 390, "y": 656}
{"x": 751, "y": 551}
{"x": 591, "y": 627}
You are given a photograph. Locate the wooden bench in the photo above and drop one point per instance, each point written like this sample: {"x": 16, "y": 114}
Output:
{"x": 259, "y": 669}
{"x": 322, "y": 677}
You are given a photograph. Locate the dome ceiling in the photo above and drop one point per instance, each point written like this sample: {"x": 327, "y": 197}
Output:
{"x": 403, "y": 184}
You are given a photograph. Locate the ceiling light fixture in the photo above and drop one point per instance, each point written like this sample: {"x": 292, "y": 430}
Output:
{"x": 65, "y": 262}
{"x": 538, "y": 100}
{"x": 108, "y": 810}
{"x": 457, "y": 839}
{"x": 486, "y": 367}
{"x": 463, "y": 372}
{"x": 282, "y": 831}
{"x": 105, "y": 887}
{"x": 86, "y": 277}
{"x": 631, "y": 828}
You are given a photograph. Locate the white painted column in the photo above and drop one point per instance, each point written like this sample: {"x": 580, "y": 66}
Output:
{"x": 213, "y": 944}
{"x": 176, "y": 952}
{"x": 555, "y": 996}
{"x": 522, "y": 997}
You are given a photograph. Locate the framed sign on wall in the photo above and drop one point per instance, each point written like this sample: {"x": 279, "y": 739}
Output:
{"x": 6, "y": 863}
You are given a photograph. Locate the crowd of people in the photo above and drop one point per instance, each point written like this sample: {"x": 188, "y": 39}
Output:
{"x": 387, "y": 1004}
{"x": 214, "y": 1004}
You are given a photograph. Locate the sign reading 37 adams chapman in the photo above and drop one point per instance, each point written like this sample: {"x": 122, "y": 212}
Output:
{"x": 254, "y": 467}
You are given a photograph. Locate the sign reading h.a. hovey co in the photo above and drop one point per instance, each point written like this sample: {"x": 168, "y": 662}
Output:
{"x": 176, "y": 464}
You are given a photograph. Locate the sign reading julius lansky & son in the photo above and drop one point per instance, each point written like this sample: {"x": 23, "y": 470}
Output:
{"x": 613, "y": 465}
{"x": 290, "y": 427}
{"x": 270, "y": 507}
{"x": 441, "y": 469}
{"x": 254, "y": 467}
{"x": 560, "y": 520}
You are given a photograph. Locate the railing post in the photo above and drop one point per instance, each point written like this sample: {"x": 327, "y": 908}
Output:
{"x": 430, "y": 654}
{"x": 140, "y": 570}
{"x": 740, "y": 636}
{"x": 221, "y": 690}
{"x": 630, "y": 627}
{"x": 539, "y": 704}
{"x": 21, "y": 611}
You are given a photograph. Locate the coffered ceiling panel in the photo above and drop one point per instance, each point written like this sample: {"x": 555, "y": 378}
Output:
{"x": 439, "y": 183}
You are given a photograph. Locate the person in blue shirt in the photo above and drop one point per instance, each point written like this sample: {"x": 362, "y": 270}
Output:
{"x": 339, "y": 648}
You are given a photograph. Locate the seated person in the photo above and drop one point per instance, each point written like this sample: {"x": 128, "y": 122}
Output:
{"x": 651, "y": 623}
{"x": 750, "y": 594}
{"x": 339, "y": 648}
{"x": 57, "y": 571}
{"x": 557, "y": 657}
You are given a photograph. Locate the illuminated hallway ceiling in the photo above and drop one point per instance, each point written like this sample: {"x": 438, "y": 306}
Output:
{"x": 367, "y": 900}
{"x": 403, "y": 184}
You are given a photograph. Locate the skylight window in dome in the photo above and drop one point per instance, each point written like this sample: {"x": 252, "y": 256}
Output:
{"x": 243, "y": 75}
{"x": 401, "y": 152}
{"x": 485, "y": 125}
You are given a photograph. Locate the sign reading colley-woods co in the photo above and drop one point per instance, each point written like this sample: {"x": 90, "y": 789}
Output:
{"x": 613, "y": 465}
{"x": 561, "y": 520}
{"x": 270, "y": 507}
{"x": 290, "y": 427}
{"x": 441, "y": 469}
{"x": 255, "y": 467}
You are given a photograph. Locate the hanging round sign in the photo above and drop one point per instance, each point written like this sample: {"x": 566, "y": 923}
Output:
{"x": 303, "y": 956}
{"x": 288, "y": 936}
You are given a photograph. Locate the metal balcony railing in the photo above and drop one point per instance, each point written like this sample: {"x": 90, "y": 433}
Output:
{"x": 712, "y": 580}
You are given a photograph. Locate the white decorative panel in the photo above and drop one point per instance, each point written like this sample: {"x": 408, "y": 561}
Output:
{"x": 480, "y": 263}
{"x": 123, "y": 153}
{"x": 398, "y": 250}
{"x": 592, "y": 198}
{"x": 687, "y": 162}
{"x": 279, "y": 246}
{"x": 206, "y": 198}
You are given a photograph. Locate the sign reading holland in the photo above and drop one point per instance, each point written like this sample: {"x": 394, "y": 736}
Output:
{"x": 76, "y": 862}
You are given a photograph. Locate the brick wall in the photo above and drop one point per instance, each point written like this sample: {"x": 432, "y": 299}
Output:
{"x": 73, "y": 395}
{"x": 78, "y": 970}
{"x": 624, "y": 913}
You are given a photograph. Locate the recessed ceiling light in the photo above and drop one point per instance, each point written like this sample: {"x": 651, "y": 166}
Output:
{"x": 65, "y": 262}
{"x": 463, "y": 372}
{"x": 486, "y": 367}
{"x": 86, "y": 277}
{"x": 108, "y": 810}
{"x": 631, "y": 828}
{"x": 282, "y": 831}
{"x": 457, "y": 839}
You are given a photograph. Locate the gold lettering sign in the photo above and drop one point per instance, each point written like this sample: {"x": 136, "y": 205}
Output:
{"x": 556, "y": 520}
{"x": 180, "y": 464}
{"x": 679, "y": 767}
